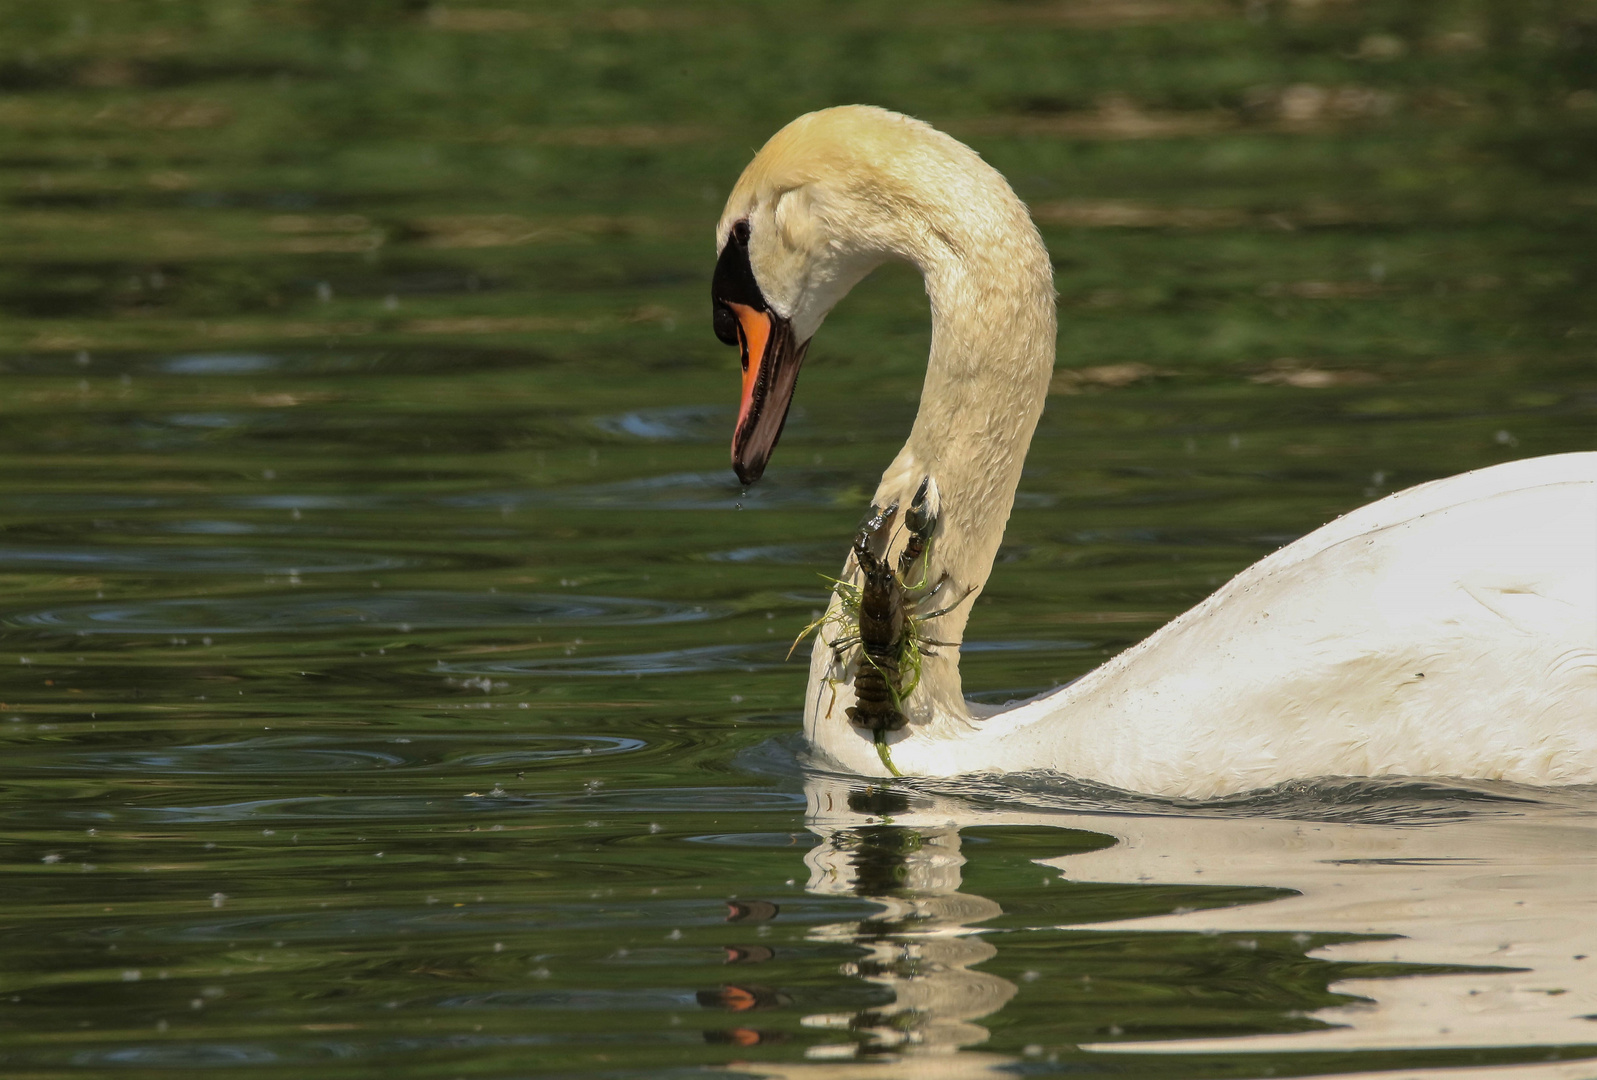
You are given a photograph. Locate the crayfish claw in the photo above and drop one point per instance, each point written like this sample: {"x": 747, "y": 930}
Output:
{"x": 873, "y": 532}
{"x": 921, "y": 518}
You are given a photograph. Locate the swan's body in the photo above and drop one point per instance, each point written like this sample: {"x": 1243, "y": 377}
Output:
{"x": 1447, "y": 630}
{"x": 1450, "y": 629}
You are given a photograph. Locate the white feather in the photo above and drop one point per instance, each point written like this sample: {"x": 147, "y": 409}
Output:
{"x": 1447, "y": 630}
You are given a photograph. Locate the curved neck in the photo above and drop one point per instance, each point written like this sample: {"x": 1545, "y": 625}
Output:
{"x": 991, "y": 288}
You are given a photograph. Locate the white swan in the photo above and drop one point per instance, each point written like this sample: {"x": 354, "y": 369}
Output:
{"x": 1447, "y": 630}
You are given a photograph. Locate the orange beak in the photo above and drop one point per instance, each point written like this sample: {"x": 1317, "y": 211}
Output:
{"x": 771, "y": 361}
{"x": 754, "y": 337}
{"x": 771, "y": 358}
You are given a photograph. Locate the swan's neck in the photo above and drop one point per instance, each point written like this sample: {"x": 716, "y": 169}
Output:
{"x": 991, "y": 356}
{"x": 992, "y": 299}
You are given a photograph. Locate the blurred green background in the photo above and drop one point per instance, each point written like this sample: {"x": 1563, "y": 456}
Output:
{"x": 1407, "y": 183}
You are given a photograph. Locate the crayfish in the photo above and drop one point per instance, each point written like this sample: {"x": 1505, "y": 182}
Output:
{"x": 882, "y": 618}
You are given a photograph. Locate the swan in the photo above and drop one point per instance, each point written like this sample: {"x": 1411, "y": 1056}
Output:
{"x": 1446, "y": 630}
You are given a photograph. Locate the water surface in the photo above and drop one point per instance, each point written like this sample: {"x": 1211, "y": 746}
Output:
{"x": 393, "y": 670}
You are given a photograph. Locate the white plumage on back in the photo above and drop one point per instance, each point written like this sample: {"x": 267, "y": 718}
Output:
{"x": 1447, "y": 630}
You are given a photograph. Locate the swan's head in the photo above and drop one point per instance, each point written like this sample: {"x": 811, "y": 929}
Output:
{"x": 830, "y": 197}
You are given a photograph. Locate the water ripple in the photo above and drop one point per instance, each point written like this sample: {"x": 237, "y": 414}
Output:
{"x": 179, "y": 1056}
{"x": 789, "y": 554}
{"x": 681, "y": 423}
{"x": 196, "y": 560}
{"x": 350, "y": 807}
{"x": 396, "y": 610}
{"x": 1397, "y": 800}
{"x": 584, "y": 1000}
{"x": 334, "y": 925}
{"x": 294, "y": 754}
{"x": 218, "y": 364}
{"x": 669, "y": 662}
{"x": 717, "y": 490}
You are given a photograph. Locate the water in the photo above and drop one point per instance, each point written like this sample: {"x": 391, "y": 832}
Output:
{"x": 393, "y": 684}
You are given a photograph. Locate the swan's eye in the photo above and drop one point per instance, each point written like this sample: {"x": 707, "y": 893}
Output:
{"x": 726, "y": 325}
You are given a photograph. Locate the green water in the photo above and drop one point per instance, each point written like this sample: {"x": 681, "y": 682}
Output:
{"x": 393, "y": 670}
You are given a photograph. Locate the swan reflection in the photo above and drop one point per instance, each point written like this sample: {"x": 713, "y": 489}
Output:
{"x": 921, "y": 947}
{"x": 1487, "y": 905}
